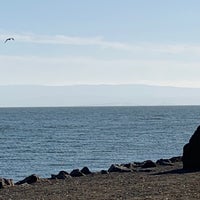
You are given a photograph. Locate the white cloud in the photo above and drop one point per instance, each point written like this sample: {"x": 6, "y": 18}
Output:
{"x": 139, "y": 67}
{"x": 144, "y": 47}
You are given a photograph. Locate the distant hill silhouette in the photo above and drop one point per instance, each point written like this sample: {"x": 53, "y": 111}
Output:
{"x": 97, "y": 95}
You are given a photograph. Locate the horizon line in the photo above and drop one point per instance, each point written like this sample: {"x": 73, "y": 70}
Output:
{"x": 100, "y": 84}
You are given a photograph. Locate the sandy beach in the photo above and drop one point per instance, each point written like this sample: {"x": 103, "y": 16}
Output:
{"x": 161, "y": 182}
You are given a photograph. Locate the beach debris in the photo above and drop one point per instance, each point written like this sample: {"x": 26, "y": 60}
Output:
{"x": 30, "y": 179}
{"x": 6, "y": 182}
{"x": 191, "y": 152}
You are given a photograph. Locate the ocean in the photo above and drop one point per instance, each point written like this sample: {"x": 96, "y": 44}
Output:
{"x": 45, "y": 141}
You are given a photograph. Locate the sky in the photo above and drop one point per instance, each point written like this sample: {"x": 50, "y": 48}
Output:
{"x": 65, "y": 42}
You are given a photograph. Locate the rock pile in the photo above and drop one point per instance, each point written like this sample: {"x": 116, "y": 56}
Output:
{"x": 130, "y": 167}
{"x": 74, "y": 173}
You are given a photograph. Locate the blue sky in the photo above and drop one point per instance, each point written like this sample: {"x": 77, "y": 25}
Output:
{"x": 100, "y": 42}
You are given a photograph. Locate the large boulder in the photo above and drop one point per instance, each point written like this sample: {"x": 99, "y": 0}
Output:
{"x": 191, "y": 152}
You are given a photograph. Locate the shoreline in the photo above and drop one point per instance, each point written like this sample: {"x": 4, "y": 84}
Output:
{"x": 134, "y": 166}
{"x": 164, "y": 181}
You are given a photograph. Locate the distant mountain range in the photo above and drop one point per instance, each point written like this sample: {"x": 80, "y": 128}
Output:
{"x": 97, "y": 95}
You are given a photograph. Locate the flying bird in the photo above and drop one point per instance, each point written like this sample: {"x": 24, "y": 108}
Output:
{"x": 9, "y": 39}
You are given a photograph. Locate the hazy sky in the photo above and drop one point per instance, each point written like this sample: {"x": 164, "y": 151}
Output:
{"x": 64, "y": 42}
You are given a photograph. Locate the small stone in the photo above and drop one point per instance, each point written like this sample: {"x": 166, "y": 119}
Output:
{"x": 6, "y": 182}
{"x": 85, "y": 171}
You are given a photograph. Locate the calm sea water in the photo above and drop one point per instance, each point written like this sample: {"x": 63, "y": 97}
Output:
{"x": 47, "y": 140}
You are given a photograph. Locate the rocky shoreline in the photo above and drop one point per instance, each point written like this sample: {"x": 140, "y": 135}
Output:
{"x": 174, "y": 178}
{"x": 166, "y": 180}
{"x": 145, "y": 166}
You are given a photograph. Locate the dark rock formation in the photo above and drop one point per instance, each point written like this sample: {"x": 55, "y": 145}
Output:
{"x": 191, "y": 152}
{"x": 135, "y": 166}
{"x": 148, "y": 164}
{"x": 76, "y": 173}
{"x": 144, "y": 164}
{"x": 85, "y": 171}
{"x": 103, "y": 172}
{"x": 118, "y": 168}
{"x": 6, "y": 182}
{"x": 176, "y": 159}
{"x": 61, "y": 175}
{"x": 164, "y": 162}
{"x": 131, "y": 166}
{"x": 30, "y": 179}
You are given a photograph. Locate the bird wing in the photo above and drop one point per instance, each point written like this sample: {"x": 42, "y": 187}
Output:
{"x": 9, "y": 39}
